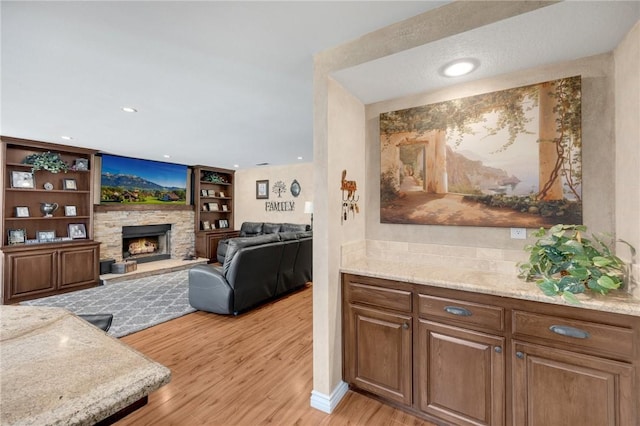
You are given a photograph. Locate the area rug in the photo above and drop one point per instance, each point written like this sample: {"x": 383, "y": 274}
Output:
{"x": 135, "y": 304}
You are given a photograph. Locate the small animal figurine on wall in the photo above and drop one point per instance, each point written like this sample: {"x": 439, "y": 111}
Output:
{"x": 350, "y": 201}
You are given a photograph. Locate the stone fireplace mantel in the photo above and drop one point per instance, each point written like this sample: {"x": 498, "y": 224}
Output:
{"x": 109, "y": 220}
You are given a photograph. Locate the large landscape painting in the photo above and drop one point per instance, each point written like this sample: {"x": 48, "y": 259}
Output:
{"x": 510, "y": 159}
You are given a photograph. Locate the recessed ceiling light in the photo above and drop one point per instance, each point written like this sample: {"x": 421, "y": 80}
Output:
{"x": 66, "y": 138}
{"x": 236, "y": 165}
{"x": 166, "y": 156}
{"x": 459, "y": 67}
{"x": 129, "y": 109}
{"x": 299, "y": 158}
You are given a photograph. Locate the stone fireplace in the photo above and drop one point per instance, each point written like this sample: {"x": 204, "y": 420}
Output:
{"x": 112, "y": 223}
{"x": 146, "y": 243}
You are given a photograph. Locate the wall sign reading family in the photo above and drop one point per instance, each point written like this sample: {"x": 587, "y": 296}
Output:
{"x": 510, "y": 158}
{"x": 279, "y": 206}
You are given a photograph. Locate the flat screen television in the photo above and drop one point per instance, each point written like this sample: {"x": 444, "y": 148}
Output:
{"x": 138, "y": 181}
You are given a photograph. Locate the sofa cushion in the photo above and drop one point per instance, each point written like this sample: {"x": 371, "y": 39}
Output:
{"x": 293, "y": 227}
{"x": 286, "y": 236}
{"x": 271, "y": 228}
{"x": 249, "y": 229}
{"x": 236, "y": 244}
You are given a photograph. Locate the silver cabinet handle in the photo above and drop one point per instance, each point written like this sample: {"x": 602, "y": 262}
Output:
{"x": 519, "y": 355}
{"x": 565, "y": 330}
{"x": 457, "y": 310}
{"x": 498, "y": 349}
{"x": 405, "y": 326}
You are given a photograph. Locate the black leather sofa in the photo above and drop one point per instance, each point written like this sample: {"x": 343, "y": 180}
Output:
{"x": 252, "y": 229}
{"x": 255, "y": 269}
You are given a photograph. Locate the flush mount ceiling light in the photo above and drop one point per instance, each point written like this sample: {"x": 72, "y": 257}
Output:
{"x": 129, "y": 109}
{"x": 459, "y": 67}
{"x": 66, "y": 138}
{"x": 166, "y": 156}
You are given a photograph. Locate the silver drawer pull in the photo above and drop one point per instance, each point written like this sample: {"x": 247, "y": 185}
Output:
{"x": 456, "y": 310}
{"x": 565, "y": 330}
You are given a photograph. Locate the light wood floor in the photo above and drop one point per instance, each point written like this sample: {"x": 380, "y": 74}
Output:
{"x": 253, "y": 369}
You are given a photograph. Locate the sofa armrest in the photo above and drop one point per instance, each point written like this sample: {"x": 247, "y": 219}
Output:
{"x": 221, "y": 252}
{"x": 209, "y": 290}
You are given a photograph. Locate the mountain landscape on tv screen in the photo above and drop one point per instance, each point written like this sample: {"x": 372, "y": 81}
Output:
{"x": 132, "y": 180}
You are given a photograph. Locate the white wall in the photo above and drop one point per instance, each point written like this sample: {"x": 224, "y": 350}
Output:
{"x": 627, "y": 165}
{"x": 249, "y": 209}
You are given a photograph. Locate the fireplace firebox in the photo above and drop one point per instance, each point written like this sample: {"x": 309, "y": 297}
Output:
{"x": 146, "y": 243}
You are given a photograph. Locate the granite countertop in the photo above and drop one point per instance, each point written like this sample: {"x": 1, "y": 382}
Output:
{"x": 485, "y": 282}
{"x": 58, "y": 369}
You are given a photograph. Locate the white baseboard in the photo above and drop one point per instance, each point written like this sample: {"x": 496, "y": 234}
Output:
{"x": 328, "y": 403}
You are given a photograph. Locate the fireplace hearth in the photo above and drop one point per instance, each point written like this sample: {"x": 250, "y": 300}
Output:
{"x": 147, "y": 243}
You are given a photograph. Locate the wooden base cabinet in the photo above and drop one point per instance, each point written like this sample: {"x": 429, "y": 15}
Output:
{"x": 460, "y": 374}
{"x": 478, "y": 359}
{"x": 207, "y": 243}
{"x": 379, "y": 326}
{"x": 49, "y": 269}
{"x": 557, "y": 387}
{"x": 382, "y": 339}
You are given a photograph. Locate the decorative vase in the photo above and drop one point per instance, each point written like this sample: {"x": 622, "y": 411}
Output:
{"x": 48, "y": 208}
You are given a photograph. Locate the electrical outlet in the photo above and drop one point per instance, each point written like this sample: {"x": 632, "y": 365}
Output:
{"x": 518, "y": 233}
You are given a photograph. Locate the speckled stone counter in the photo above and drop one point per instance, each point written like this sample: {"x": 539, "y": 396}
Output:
{"x": 57, "y": 369}
{"x": 483, "y": 282}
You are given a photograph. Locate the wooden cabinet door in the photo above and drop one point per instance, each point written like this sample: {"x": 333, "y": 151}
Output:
{"x": 29, "y": 274}
{"x": 379, "y": 353}
{"x": 558, "y": 387}
{"x": 79, "y": 267}
{"x": 461, "y": 375}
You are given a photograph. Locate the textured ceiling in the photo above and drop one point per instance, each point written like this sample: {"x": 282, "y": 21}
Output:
{"x": 224, "y": 83}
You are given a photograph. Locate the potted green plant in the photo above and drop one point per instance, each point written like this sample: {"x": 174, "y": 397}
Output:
{"x": 564, "y": 262}
{"x": 46, "y": 161}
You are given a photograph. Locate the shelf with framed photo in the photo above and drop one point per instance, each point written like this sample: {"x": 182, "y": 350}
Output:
{"x": 46, "y": 187}
{"x": 213, "y": 189}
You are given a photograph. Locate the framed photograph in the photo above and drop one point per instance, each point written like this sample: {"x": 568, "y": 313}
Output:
{"x": 81, "y": 164}
{"x": 21, "y": 211}
{"x": 212, "y": 193}
{"x": 70, "y": 184}
{"x": 262, "y": 190}
{"x": 206, "y": 225}
{"x": 225, "y": 208}
{"x": 221, "y": 194}
{"x": 204, "y": 193}
{"x": 213, "y": 207}
{"x": 77, "y": 231}
{"x": 22, "y": 180}
{"x": 213, "y": 225}
{"x": 70, "y": 211}
{"x": 223, "y": 223}
{"x": 17, "y": 236}
{"x": 205, "y": 208}
{"x": 46, "y": 236}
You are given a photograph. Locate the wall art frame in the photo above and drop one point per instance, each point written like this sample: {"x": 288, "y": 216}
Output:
{"x": 262, "y": 190}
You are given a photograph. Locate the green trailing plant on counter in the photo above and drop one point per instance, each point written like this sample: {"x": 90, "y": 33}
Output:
{"x": 46, "y": 161}
{"x": 564, "y": 262}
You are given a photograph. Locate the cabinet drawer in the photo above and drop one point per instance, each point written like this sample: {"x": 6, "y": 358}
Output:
{"x": 599, "y": 338}
{"x": 390, "y": 298}
{"x": 461, "y": 311}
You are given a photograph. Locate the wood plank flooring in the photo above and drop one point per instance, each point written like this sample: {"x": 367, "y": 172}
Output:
{"x": 254, "y": 369}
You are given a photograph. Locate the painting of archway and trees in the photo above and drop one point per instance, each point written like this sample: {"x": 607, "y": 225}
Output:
{"x": 510, "y": 158}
